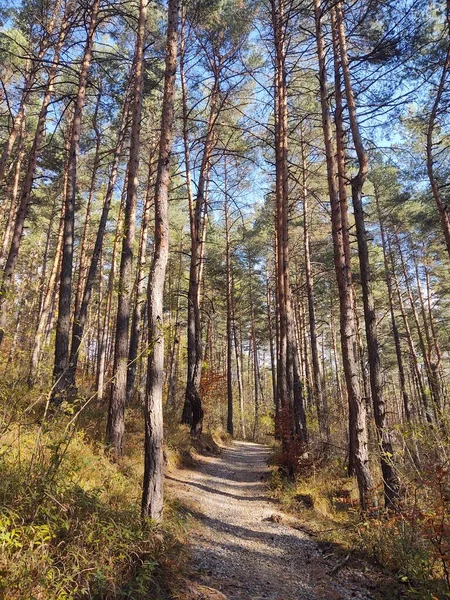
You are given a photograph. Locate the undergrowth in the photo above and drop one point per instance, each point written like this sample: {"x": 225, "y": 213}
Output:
{"x": 413, "y": 542}
{"x": 70, "y": 525}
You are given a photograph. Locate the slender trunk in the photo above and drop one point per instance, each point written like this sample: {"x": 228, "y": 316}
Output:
{"x": 100, "y": 384}
{"x": 435, "y": 351}
{"x": 434, "y": 337}
{"x": 140, "y": 286}
{"x": 229, "y": 312}
{"x": 390, "y": 479}
{"x": 80, "y": 317}
{"x": 116, "y": 413}
{"x": 336, "y": 358}
{"x": 285, "y": 407}
{"x": 50, "y": 294}
{"x": 152, "y": 497}
{"x": 319, "y": 396}
{"x": 193, "y": 410}
{"x": 423, "y": 347}
{"x": 65, "y": 286}
{"x": 14, "y": 191}
{"x": 288, "y": 376}
{"x": 25, "y": 195}
{"x": 254, "y": 349}
{"x": 411, "y": 347}
{"x": 440, "y": 202}
{"x": 82, "y": 260}
{"x": 175, "y": 351}
{"x": 46, "y": 304}
{"x": 432, "y": 363}
{"x": 239, "y": 362}
{"x": 272, "y": 348}
{"x": 395, "y": 332}
{"x": 357, "y": 409}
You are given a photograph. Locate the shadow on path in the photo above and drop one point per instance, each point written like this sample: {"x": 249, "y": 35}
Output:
{"x": 236, "y": 548}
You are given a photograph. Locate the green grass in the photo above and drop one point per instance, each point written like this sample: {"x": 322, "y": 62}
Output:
{"x": 70, "y": 524}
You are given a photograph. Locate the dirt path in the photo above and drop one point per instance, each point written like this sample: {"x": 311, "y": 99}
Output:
{"x": 237, "y": 548}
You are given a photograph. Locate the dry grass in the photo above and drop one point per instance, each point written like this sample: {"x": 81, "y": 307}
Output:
{"x": 70, "y": 524}
{"x": 412, "y": 544}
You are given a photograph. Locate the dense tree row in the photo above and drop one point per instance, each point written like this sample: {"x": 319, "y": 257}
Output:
{"x": 294, "y": 154}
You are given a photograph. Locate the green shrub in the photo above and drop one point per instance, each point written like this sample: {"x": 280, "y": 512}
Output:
{"x": 70, "y": 526}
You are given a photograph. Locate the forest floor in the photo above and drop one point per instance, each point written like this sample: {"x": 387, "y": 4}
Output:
{"x": 244, "y": 548}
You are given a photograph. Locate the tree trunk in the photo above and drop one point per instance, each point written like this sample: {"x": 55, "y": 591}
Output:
{"x": 80, "y": 317}
{"x": 395, "y": 332}
{"x": 101, "y": 369}
{"x": 14, "y": 192}
{"x": 172, "y": 376}
{"x": 65, "y": 286}
{"x": 289, "y": 383}
{"x": 229, "y": 293}
{"x": 390, "y": 479}
{"x": 435, "y": 395}
{"x": 411, "y": 347}
{"x": 255, "y": 366}
{"x": 272, "y": 348}
{"x": 319, "y": 396}
{"x": 193, "y": 410}
{"x": 82, "y": 259}
{"x": 140, "y": 287}
{"x": 239, "y": 361}
{"x": 25, "y": 195}
{"x": 152, "y": 497}
{"x": 357, "y": 409}
{"x": 116, "y": 413}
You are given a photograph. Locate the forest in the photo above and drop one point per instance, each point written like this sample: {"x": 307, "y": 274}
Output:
{"x": 224, "y": 299}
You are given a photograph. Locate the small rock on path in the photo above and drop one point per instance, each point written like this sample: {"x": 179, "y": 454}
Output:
{"x": 239, "y": 548}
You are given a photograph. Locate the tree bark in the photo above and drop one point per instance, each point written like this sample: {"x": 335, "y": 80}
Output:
{"x": 435, "y": 394}
{"x": 395, "y": 332}
{"x": 65, "y": 286}
{"x": 14, "y": 192}
{"x": 289, "y": 383}
{"x": 116, "y": 413}
{"x": 255, "y": 360}
{"x": 193, "y": 409}
{"x": 101, "y": 369}
{"x": 357, "y": 409}
{"x": 319, "y": 396}
{"x": 229, "y": 293}
{"x": 81, "y": 312}
{"x": 152, "y": 497}
{"x": 411, "y": 347}
{"x": 239, "y": 361}
{"x": 140, "y": 287}
{"x": 272, "y": 348}
{"x": 172, "y": 375}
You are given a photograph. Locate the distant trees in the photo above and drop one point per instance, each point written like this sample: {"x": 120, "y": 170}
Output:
{"x": 62, "y": 335}
{"x": 218, "y": 35}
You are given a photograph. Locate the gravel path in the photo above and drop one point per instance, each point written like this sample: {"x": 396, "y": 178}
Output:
{"x": 237, "y": 548}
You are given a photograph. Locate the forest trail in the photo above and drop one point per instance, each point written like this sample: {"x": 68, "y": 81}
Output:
{"x": 238, "y": 550}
